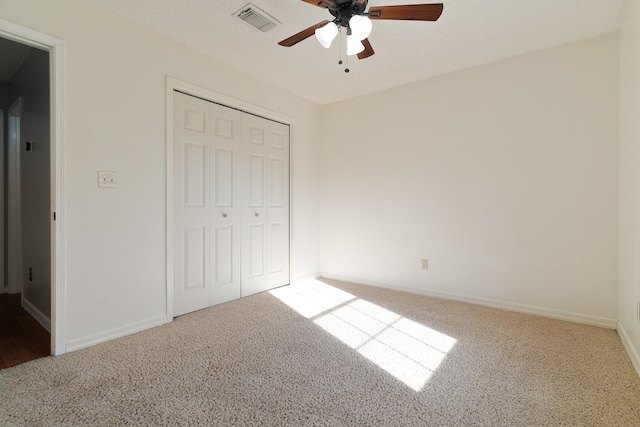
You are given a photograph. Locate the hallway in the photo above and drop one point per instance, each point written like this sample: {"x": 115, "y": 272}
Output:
{"x": 22, "y": 338}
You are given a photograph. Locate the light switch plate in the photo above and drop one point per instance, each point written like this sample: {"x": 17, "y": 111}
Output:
{"x": 107, "y": 179}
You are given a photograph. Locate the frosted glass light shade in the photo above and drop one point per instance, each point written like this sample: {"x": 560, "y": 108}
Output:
{"x": 360, "y": 26}
{"x": 354, "y": 45}
{"x": 326, "y": 34}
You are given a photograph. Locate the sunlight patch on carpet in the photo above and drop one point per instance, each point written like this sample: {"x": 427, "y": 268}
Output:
{"x": 311, "y": 297}
{"x": 409, "y": 351}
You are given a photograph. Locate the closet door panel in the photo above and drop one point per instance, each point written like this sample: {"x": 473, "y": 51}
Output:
{"x": 277, "y": 140}
{"x": 254, "y": 244}
{"x": 253, "y": 195}
{"x": 266, "y": 239}
{"x": 226, "y": 176}
{"x": 190, "y": 204}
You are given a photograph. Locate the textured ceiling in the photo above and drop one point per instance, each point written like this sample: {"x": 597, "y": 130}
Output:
{"x": 469, "y": 33}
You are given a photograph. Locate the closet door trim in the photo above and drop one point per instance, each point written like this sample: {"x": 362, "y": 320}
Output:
{"x": 172, "y": 85}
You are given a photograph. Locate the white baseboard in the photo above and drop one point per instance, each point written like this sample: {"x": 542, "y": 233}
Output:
{"x": 303, "y": 278}
{"x": 520, "y": 308}
{"x": 37, "y": 314}
{"x": 628, "y": 345}
{"x": 89, "y": 341}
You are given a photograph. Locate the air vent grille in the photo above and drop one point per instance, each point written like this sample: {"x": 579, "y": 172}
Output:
{"x": 257, "y": 18}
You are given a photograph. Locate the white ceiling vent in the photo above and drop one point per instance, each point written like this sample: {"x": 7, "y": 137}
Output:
{"x": 257, "y": 17}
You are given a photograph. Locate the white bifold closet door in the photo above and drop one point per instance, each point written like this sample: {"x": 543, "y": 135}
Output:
{"x": 231, "y": 204}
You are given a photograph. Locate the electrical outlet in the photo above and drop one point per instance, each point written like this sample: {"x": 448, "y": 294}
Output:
{"x": 107, "y": 179}
{"x": 425, "y": 264}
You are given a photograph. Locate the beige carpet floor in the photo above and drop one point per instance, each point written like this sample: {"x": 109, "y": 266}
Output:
{"x": 328, "y": 353}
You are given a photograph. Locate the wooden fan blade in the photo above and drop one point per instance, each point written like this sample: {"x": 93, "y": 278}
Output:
{"x": 297, "y": 38}
{"x": 368, "y": 50}
{"x": 409, "y": 12}
{"x": 325, "y": 4}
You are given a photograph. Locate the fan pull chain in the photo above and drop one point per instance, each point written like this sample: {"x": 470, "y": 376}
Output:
{"x": 342, "y": 50}
{"x": 340, "y": 60}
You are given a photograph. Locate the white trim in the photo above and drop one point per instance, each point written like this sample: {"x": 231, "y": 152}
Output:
{"x": 169, "y": 199}
{"x": 27, "y": 36}
{"x": 56, "y": 49}
{"x": 628, "y": 345}
{"x": 292, "y": 253}
{"x": 200, "y": 92}
{"x": 58, "y": 195}
{"x": 36, "y": 314}
{"x": 112, "y": 334}
{"x": 190, "y": 89}
{"x": 502, "y": 305}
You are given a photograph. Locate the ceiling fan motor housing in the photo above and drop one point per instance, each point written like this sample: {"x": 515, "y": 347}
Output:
{"x": 344, "y": 10}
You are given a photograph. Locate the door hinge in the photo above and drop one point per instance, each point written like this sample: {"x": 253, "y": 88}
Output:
{"x": 54, "y": 216}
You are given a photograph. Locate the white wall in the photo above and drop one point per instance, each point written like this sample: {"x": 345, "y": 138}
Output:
{"x": 629, "y": 290}
{"x": 31, "y": 83}
{"x": 115, "y": 121}
{"x": 504, "y": 176}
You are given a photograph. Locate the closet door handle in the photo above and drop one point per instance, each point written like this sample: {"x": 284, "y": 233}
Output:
{"x": 257, "y": 214}
{"x": 224, "y": 215}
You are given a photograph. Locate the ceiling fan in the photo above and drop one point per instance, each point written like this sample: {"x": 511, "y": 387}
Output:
{"x": 351, "y": 15}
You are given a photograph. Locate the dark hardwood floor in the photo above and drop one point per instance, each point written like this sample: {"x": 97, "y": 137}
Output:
{"x": 22, "y": 338}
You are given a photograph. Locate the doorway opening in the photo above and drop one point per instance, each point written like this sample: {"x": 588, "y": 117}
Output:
{"x": 26, "y": 230}
{"x": 31, "y": 183}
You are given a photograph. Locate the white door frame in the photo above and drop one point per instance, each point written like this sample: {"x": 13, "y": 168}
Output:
{"x": 199, "y": 92}
{"x": 56, "y": 49}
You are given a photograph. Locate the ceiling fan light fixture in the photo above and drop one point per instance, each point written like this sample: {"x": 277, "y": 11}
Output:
{"x": 326, "y": 34}
{"x": 354, "y": 45}
{"x": 361, "y": 26}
